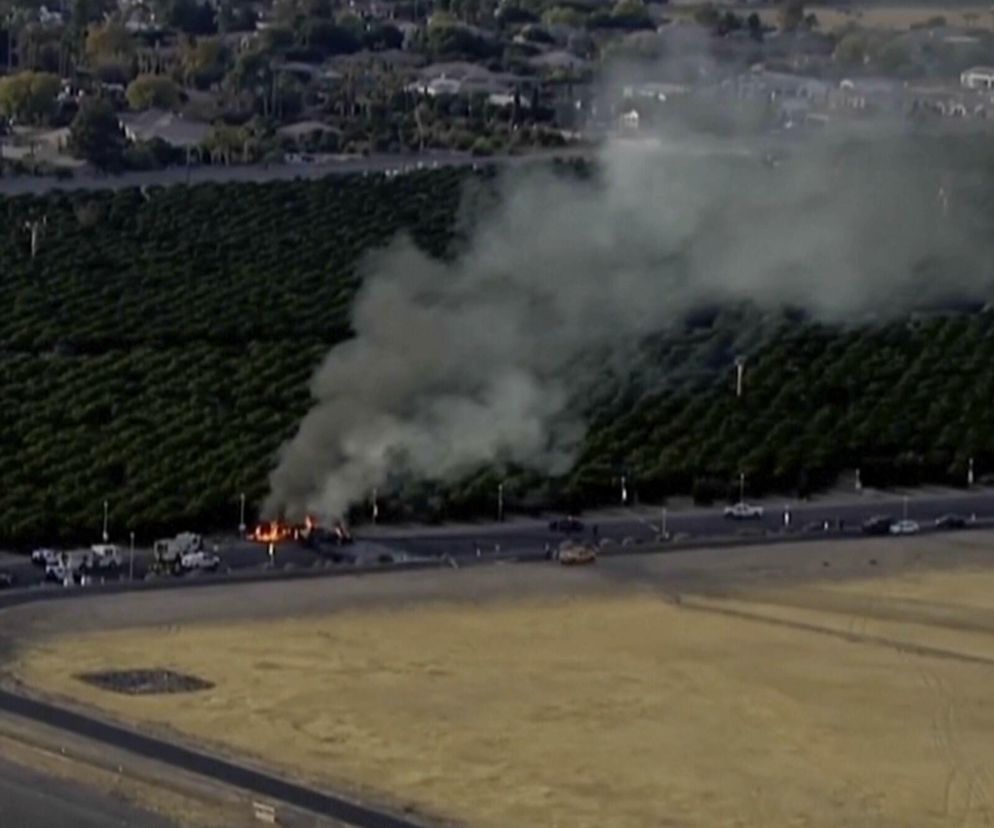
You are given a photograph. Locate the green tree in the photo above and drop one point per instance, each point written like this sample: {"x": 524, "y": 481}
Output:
{"x": 108, "y": 43}
{"x": 330, "y": 38}
{"x": 29, "y": 96}
{"x": 148, "y": 91}
{"x": 95, "y": 134}
{"x": 204, "y": 60}
{"x": 790, "y": 14}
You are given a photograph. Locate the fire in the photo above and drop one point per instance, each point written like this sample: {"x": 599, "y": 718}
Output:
{"x": 275, "y": 531}
{"x": 271, "y": 532}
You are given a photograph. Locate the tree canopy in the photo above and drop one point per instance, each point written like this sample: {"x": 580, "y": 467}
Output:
{"x": 29, "y": 96}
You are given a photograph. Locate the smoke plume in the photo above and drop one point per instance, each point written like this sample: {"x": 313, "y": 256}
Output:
{"x": 456, "y": 364}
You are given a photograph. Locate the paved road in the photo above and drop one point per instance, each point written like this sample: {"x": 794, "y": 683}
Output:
{"x": 229, "y": 773}
{"x": 31, "y": 800}
{"x": 258, "y": 173}
{"x": 529, "y": 537}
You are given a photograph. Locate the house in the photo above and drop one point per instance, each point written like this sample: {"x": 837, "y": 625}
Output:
{"x": 305, "y": 133}
{"x": 559, "y": 60}
{"x": 462, "y": 78}
{"x": 886, "y": 94}
{"x": 979, "y": 77}
{"x": 169, "y": 127}
{"x": 629, "y": 121}
{"x": 660, "y": 92}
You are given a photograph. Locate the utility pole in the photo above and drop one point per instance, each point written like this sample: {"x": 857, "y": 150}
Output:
{"x": 241, "y": 519}
{"x": 739, "y": 374}
{"x": 34, "y": 228}
{"x": 131, "y": 559}
{"x": 500, "y": 502}
{"x": 105, "y": 534}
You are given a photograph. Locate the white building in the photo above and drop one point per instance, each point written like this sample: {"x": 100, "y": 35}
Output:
{"x": 979, "y": 77}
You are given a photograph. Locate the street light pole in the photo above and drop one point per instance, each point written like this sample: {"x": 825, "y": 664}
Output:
{"x": 131, "y": 559}
{"x": 241, "y": 515}
{"x": 105, "y": 534}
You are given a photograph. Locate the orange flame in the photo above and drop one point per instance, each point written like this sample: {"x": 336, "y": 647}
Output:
{"x": 271, "y": 532}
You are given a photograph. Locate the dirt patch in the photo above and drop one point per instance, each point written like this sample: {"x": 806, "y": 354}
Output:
{"x": 153, "y": 682}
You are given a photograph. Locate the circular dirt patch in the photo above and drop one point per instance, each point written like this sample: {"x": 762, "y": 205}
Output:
{"x": 145, "y": 682}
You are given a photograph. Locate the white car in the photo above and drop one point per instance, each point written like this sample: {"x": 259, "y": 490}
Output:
{"x": 743, "y": 511}
{"x": 44, "y": 556}
{"x": 200, "y": 560}
{"x": 904, "y": 527}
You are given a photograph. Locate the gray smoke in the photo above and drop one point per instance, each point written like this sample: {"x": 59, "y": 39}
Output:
{"x": 456, "y": 364}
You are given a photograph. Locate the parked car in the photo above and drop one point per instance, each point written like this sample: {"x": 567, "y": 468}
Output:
{"x": 905, "y": 527}
{"x": 743, "y": 511}
{"x": 44, "y": 556}
{"x": 62, "y": 572}
{"x": 878, "y": 525}
{"x": 201, "y": 560}
{"x": 103, "y": 558}
{"x": 566, "y": 524}
{"x": 950, "y": 522}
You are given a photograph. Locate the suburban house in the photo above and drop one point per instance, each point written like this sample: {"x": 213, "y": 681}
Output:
{"x": 169, "y": 127}
{"x": 461, "y": 78}
{"x": 304, "y": 132}
{"x": 882, "y": 94}
{"x": 979, "y": 77}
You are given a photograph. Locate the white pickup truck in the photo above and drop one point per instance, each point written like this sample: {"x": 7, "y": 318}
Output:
{"x": 104, "y": 558}
{"x": 200, "y": 560}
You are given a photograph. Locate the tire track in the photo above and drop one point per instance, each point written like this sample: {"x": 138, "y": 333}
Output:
{"x": 844, "y": 635}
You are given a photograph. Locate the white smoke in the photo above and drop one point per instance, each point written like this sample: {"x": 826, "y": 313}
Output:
{"x": 456, "y": 364}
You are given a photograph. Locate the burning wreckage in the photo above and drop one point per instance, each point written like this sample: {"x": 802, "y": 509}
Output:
{"x": 309, "y": 533}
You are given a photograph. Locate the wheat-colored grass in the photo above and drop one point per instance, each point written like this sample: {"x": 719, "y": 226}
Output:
{"x": 603, "y": 710}
{"x": 896, "y": 17}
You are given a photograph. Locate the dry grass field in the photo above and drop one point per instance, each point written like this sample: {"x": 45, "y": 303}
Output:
{"x": 899, "y": 17}
{"x": 828, "y": 703}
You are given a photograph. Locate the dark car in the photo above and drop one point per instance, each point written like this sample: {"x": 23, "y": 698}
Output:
{"x": 6, "y": 580}
{"x": 878, "y": 525}
{"x": 950, "y": 522}
{"x": 567, "y": 524}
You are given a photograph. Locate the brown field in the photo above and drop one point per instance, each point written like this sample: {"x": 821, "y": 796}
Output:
{"x": 884, "y": 16}
{"x": 902, "y": 17}
{"x": 743, "y": 688}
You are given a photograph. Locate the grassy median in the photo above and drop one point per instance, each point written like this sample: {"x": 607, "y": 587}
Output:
{"x": 605, "y": 710}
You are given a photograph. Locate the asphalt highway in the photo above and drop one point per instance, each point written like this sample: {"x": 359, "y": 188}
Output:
{"x": 529, "y": 538}
{"x": 257, "y": 782}
{"x": 532, "y": 536}
{"x": 31, "y": 800}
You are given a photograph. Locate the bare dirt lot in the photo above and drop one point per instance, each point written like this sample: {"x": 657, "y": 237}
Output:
{"x": 818, "y": 684}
